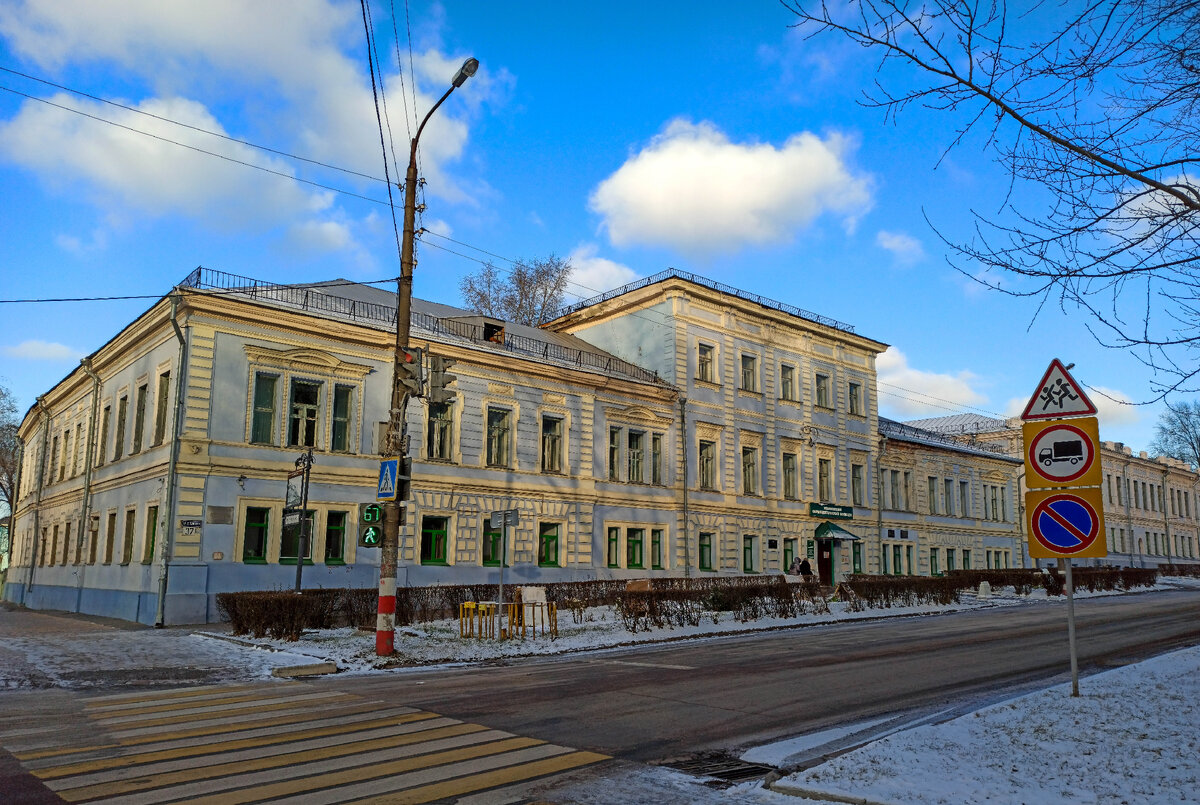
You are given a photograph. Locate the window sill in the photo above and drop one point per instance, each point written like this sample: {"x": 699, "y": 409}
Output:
{"x": 339, "y": 562}
{"x": 291, "y": 560}
{"x": 435, "y": 562}
{"x": 549, "y": 564}
{"x": 252, "y": 561}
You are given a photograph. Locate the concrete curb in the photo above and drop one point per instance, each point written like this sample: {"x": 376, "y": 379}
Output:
{"x": 312, "y": 669}
{"x": 824, "y": 796}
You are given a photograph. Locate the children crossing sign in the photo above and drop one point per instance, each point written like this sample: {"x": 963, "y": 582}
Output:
{"x": 1057, "y": 396}
{"x": 388, "y": 469}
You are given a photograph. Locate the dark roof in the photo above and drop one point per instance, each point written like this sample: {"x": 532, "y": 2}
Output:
{"x": 674, "y": 273}
{"x": 905, "y": 432}
{"x": 376, "y": 307}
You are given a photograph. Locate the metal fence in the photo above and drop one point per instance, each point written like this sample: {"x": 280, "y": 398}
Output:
{"x": 310, "y": 298}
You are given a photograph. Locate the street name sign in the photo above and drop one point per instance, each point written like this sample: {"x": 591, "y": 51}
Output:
{"x": 1058, "y": 396}
{"x": 1064, "y": 524}
{"x": 1062, "y": 452}
{"x": 508, "y": 517}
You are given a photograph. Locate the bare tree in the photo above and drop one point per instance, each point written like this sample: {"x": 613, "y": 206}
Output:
{"x": 1177, "y": 433}
{"x": 531, "y": 293}
{"x": 1095, "y": 108}
{"x": 10, "y": 447}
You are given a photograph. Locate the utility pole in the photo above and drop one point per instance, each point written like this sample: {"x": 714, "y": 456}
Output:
{"x": 402, "y": 371}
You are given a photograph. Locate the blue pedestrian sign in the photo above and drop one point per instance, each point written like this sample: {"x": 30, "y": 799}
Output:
{"x": 387, "y": 479}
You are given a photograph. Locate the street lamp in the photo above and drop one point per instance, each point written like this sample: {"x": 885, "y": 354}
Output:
{"x": 385, "y": 624}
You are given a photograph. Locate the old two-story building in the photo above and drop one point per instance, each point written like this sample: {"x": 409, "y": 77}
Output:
{"x": 1151, "y": 514}
{"x": 674, "y": 426}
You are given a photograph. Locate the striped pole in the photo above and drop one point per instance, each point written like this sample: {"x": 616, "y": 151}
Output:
{"x": 385, "y": 622}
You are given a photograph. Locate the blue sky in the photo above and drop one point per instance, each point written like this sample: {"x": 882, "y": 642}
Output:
{"x": 630, "y": 137}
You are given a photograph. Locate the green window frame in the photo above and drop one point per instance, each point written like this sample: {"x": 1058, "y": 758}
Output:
{"x": 789, "y": 552}
{"x": 908, "y": 555}
{"x": 896, "y": 569}
{"x": 289, "y": 540}
{"x": 262, "y": 423}
{"x": 339, "y": 438}
{"x": 548, "y": 545}
{"x": 255, "y": 535}
{"x": 705, "y": 552}
{"x": 748, "y": 553}
{"x": 934, "y": 570}
{"x": 151, "y": 534}
{"x": 614, "y": 454}
{"x": 966, "y": 559}
{"x": 490, "y": 556}
{"x": 160, "y": 408}
{"x": 950, "y": 557}
{"x": 656, "y": 548}
{"x": 635, "y": 547}
{"x": 433, "y": 540}
{"x": 335, "y": 537}
{"x": 614, "y": 547}
{"x": 127, "y": 541}
{"x": 791, "y": 477}
{"x": 139, "y": 420}
{"x": 856, "y": 555}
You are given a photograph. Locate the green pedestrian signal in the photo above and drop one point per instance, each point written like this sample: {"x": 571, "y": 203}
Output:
{"x": 370, "y": 525}
{"x": 370, "y": 536}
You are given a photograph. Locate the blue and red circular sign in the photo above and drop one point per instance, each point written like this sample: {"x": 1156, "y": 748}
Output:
{"x": 1065, "y": 524}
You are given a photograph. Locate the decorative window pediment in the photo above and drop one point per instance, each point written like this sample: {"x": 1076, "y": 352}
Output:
{"x": 306, "y": 358}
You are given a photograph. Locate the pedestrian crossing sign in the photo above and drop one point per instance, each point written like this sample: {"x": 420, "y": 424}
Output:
{"x": 387, "y": 479}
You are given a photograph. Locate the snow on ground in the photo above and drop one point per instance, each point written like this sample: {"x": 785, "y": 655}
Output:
{"x": 1131, "y": 736}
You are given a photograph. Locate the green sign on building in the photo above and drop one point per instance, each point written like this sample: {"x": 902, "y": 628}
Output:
{"x": 828, "y": 511}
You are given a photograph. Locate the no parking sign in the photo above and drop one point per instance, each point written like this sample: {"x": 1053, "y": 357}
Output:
{"x": 1066, "y": 523}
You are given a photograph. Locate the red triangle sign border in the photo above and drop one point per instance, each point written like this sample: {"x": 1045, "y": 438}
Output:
{"x": 1065, "y": 388}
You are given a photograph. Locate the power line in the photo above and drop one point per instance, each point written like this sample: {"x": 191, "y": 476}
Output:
{"x": 192, "y": 147}
{"x": 329, "y": 284}
{"x": 181, "y": 124}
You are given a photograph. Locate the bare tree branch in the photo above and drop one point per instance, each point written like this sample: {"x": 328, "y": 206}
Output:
{"x": 531, "y": 293}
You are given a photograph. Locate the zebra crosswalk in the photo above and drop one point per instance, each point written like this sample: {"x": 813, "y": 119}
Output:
{"x": 283, "y": 742}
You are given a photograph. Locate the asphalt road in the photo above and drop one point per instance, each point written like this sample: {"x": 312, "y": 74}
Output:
{"x": 669, "y": 701}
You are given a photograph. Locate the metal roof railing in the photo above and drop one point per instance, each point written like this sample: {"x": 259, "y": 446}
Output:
{"x": 674, "y": 273}
{"x": 308, "y": 298}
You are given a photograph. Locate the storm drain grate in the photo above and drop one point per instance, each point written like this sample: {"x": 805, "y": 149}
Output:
{"x": 722, "y": 767}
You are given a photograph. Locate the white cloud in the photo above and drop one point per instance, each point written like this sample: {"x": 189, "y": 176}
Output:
{"x": 298, "y": 75}
{"x": 694, "y": 190}
{"x": 904, "y": 248}
{"x": 591, "y": 274}
{"x": 42, "y": 351}
{"x": 908, "y": 393}
{"x": 1114, "y": 408}
{"x": 320, "y": 236}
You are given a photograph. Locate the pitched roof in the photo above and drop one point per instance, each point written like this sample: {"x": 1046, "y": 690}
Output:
{"x": 907, "y": 432}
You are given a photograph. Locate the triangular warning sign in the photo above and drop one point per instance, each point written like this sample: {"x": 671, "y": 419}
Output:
{"x": 1058, "y": 395}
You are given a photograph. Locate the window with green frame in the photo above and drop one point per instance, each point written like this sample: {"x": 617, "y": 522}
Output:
{"x": 856, "y": 557}
{"x": 548, "y": 545}
{"x": 966, "y": 559}
{"x": 634, "y": 546}
{"x": 706, "y": 551}
{"x": 789, "y": 552}
{"x": 656, "y": 549}
{"x": 335, "y": 538}
{"x": 262, "y": 423}
{"x": 254, "y": 537}
{"x": 433, "y": 540}
{"x": 896, "y": 569}
{"x": 614, "y": 547}
{"x": 491, "y": 548}
{"x": 950, "y": 556}
{"x": 748, "y": 552}
{"x": 289, "y": 541}
{"x": 933, "y": 562}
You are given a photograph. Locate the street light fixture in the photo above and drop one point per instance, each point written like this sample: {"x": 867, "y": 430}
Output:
{"x": 397, "y": 441}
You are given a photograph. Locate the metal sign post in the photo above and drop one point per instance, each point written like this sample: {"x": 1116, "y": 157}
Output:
{"x": 303, "y": 470}
{"x": 503, "y": 519}
{"x": 1063, "y": 475}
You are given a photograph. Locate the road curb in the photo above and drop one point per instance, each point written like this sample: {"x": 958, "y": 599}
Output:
{"x": 824, "y": 796}
{"x": 312, "y": 669}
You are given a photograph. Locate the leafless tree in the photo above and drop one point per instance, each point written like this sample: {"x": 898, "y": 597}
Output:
{"x": 530, "y": 294}
{"x": 10, "y": 448}
{"x": 1093, "y": 107}
{"x": 1177, "y": 433}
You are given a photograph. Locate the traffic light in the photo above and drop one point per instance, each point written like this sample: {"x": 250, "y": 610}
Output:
{"x": 439, "y": 378}
{"x": 404, "y": 478}
{"x": 370, "y": 525}
{"x": 409, "y": 371}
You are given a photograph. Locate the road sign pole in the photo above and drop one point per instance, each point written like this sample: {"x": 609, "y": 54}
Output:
{"x": 503, "y": 562}
{"x": 1071, "y": 629}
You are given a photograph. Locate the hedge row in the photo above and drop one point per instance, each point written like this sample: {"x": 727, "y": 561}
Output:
{"x": 749, "y": 598}
{"x": 1179, "y": 570}
{"x": 1091, "y": 579}
{"x": 882, "y": 592}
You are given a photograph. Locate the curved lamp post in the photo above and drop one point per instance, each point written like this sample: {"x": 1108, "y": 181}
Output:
{"x": 385, "y": 624}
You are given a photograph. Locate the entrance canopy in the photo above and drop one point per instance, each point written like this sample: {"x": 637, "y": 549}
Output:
{"x": 828, "y": 530}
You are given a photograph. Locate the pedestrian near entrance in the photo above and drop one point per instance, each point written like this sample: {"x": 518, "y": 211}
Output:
{"x": 805, "y": 569}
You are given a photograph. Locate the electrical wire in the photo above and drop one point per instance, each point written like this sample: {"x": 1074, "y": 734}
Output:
{"x": 181, "y": 124}
{"x": 192, "y": 147}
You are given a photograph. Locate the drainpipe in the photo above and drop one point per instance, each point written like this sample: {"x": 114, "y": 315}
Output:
{"x": 684, "y": 443}
{"x": 41, "y": 481}
{"x": 85, "y": 510}
{"x": 1162, "y": 502}
{"x": 879, "y": 500}
{"x": 172, "y": 469}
